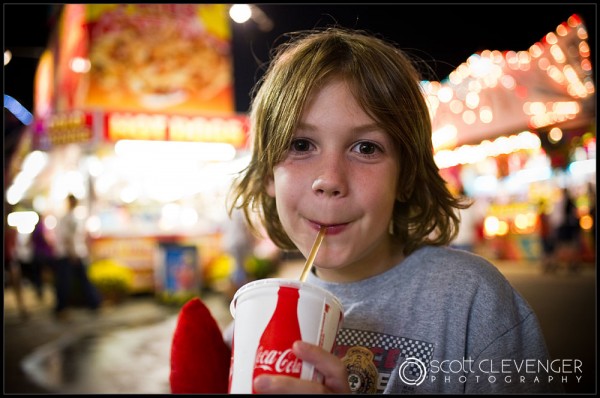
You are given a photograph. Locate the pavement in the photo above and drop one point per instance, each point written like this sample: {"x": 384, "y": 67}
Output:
{"x": 125, "y": 348}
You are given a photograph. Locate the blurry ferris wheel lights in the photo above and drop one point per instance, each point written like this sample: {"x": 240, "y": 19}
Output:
{"x": 18, "y": 110}
{"x": 555, "y": 135}
{"x": 240, "y": 13}
{"x": 586, "y": 222}
{"x": 492, "y": 226}
{"x": 7, "y": 57}
{"x": 32, "y": 165}
{"x": 469, "y": 154}
{"x": 24, "y": 221}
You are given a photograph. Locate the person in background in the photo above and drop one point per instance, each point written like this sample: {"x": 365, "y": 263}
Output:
{"x": 39, "y": 260}
{"x": 547, "y": 238}
{"x": 12, "y": 268}
{"x": 591, "y": 192}
{"x": 70, "y": 265}
{"x": 568, "y": 234}
{"x": 467, "y": 233}
{"x": 239, "y": 242}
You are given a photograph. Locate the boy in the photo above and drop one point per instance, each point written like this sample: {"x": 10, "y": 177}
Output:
{"x": 342, "y": 139}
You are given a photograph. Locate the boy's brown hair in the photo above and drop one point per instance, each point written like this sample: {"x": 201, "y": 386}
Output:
{"x": 386, "y": 84}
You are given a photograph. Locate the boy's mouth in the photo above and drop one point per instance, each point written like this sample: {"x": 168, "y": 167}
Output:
{"x": 330, "y": 229}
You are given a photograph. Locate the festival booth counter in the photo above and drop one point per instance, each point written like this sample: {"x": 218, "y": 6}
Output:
{"x": 148, "y": 182}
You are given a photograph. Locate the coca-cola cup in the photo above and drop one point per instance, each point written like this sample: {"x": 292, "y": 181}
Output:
{"x": 269, "y": 316}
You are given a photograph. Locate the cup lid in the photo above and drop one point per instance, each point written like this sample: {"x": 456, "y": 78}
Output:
{"x": 250, "y": 286}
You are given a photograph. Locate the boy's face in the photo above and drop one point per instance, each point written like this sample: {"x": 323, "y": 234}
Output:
{"x": 340, "y": 171}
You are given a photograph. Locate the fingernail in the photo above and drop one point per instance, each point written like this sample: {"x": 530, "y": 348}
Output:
{"x": 298, "y": 345}
{"x": 262, "y": 383}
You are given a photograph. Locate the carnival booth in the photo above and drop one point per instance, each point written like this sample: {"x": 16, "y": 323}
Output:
{"x": 513, "y": 128}
{"x": 134, "y": 114}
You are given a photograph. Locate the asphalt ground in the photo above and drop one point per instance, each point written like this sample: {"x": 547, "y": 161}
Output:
{"x": 125, "y": 348}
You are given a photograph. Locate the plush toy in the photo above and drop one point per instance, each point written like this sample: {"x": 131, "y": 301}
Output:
{"x": 200, "y": 358}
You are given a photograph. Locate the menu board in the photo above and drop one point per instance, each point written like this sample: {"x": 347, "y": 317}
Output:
{"x": 172, "y": 58}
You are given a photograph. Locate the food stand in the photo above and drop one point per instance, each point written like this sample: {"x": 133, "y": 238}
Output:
{"x": 134, "y": 107}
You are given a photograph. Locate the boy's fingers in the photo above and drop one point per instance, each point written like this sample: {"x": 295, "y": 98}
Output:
{"x": 335, "y": 376}
{"x": 267, "y": 384}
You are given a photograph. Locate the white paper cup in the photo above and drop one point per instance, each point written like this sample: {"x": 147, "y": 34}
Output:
{"x": 269, "y": 315}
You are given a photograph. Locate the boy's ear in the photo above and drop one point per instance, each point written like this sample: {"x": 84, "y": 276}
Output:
{"x": 270, "y": 185}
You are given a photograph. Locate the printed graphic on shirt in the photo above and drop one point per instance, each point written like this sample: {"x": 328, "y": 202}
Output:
{"x": 371, "y": 357}
{"x": 362, "y": 373}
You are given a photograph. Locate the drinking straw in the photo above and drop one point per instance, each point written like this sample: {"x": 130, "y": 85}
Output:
{"x": 313, "y": 253}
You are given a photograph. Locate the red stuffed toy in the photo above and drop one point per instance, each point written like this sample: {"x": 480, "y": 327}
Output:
{"x": 200, "y": 358}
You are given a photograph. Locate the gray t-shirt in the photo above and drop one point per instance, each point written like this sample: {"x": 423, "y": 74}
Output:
{"x": 441, "y": 321}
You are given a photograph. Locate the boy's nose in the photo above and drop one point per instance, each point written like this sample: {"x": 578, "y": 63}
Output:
{"x": 331, "y": 181}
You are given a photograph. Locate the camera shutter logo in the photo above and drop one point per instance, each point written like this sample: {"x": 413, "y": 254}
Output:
{"x": 412, "y": 371}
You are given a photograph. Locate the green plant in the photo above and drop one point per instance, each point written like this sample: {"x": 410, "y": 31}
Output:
{"x": 112, "y": 278}
{"x": 259, "y": 268}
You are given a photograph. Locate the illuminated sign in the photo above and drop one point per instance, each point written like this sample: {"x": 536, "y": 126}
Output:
{"x": 139, "y": 126}
{"x": 71, "y": 127}
{"x": 230, "y": 130}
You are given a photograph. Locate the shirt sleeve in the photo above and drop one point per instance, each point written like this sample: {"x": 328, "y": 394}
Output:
{"x": 516, "y": 361}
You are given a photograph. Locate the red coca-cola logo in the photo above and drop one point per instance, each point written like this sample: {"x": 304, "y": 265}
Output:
{"x": 274, "y": 361}
{"x": 274, "y": 354}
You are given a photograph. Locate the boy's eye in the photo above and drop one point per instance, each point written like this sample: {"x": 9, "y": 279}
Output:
{"x": 300, "y": 145}
{"x": 365, "y": 148}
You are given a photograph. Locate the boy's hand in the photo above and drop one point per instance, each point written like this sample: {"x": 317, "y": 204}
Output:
{"x": 335, "y": 376}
